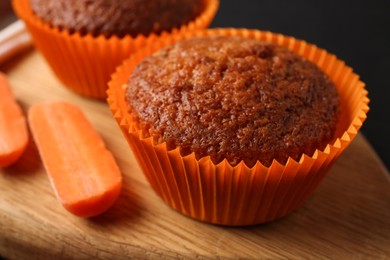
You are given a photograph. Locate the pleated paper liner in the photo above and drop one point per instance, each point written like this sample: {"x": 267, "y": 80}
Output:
{"x": 236, "y": 196}
{"x": 84, "y": 63}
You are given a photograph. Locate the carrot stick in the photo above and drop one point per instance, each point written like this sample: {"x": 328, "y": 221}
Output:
{"x": 13, "y": 127}
{"x": 83, "y": 173}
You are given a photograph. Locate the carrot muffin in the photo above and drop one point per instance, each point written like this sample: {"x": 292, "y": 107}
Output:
{"x": 234, "y": 98}
{"x": 83, "y": 41}
{"x": 120, "y": 18}
{"x": 228, "y": 95}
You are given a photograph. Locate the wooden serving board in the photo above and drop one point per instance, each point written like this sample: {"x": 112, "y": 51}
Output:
{"x": 347, "y": 217}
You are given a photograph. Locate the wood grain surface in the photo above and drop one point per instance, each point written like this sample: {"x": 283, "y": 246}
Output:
{"x": 347, "y": 217}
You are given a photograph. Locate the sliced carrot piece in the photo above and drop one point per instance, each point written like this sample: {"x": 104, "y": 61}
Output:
{"x": 13, "y": 127}
{"x": 82, "y": 171}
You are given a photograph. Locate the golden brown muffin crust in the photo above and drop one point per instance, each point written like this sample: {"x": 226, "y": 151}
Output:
{"x": 234, "y": 98}
{"x": 117, "y": 17}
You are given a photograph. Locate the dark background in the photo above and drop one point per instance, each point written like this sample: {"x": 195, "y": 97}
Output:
{"x": 357, "y": 32}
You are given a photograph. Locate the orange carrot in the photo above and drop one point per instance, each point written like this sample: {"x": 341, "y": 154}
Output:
{"x": 13, "y": 127}
{"x": 83, "y": 173}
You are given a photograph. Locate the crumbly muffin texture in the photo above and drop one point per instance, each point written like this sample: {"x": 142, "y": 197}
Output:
{"x": 117, "y": 17}
{"x": 234, "y": 98}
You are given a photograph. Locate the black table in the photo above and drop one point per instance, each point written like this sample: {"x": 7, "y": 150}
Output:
{"x": 358, "y": 32}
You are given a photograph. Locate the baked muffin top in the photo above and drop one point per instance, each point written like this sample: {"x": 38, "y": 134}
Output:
{"x": 234, "y": 98}
{"x": 117, "y": 17}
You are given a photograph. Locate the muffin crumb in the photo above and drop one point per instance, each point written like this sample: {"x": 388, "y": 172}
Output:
{"x": 120, "y": 18}
{"x": 234, "y": 98}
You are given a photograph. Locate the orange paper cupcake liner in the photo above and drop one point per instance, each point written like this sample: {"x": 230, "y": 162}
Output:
{"x": 84, "y": 63}
{"x": 238, "y": 195}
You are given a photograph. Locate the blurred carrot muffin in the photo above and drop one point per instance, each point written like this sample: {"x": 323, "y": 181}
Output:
{"x": 234, "y": 98}
{"x": 120, "y": 18}
{"x": 83, "y": 41}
